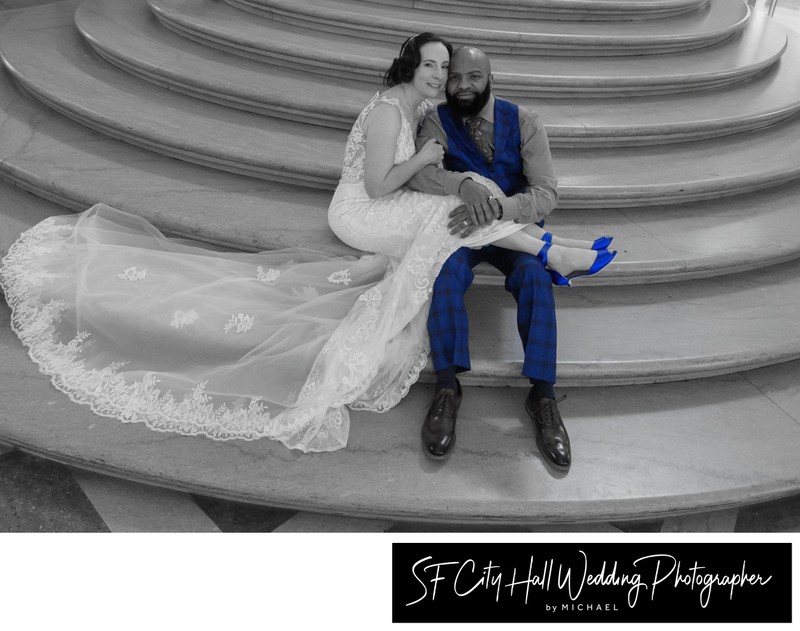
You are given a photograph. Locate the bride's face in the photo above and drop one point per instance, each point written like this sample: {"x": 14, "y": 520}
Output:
{"x": 431, "y": 74}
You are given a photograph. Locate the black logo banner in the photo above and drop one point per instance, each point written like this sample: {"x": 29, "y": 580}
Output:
{"x": 572, "y": 582}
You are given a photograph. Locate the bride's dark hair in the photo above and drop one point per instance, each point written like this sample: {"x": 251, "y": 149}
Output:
{"x": 404, "y": 65}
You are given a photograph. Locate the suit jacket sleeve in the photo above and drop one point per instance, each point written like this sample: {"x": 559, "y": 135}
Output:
{"x": 541, "y": 195}
{"x": 432, "y": 179}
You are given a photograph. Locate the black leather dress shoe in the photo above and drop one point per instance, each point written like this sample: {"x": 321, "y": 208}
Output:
{"x": 551, "y": 435}
{"x": 439, "y": 428}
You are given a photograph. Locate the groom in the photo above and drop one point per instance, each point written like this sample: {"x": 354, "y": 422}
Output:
{"x": 507, "y": 144}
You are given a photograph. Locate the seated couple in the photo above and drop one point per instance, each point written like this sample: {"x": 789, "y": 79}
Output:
{"x": 279, "y": 344}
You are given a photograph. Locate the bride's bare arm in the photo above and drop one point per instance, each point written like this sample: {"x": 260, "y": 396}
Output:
{"x": 381, "y": 174}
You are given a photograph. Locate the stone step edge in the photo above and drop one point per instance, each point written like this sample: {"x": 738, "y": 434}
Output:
{"x": 625, "y": 372}
{"x": 557, "y": 9}
{"x": 326, "y": 177}
{"x": 341, "y": 116}
{"x": 97, "y": 449}
{"x": 43, "y": 185}
{"x": 332, "y": 63}
{"x": 552, "y": 513}
{"x": 380, "y": 27}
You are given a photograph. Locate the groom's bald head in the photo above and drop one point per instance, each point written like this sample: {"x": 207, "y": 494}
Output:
{"x": 469, "y": 82}
{"x": 470, "y": 57}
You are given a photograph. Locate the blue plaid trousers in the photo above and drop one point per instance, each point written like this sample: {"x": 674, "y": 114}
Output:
{"x": 529, "y": 283}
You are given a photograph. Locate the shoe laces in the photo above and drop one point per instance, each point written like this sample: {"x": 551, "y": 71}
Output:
{"x": 442, "y": 401}
{"x": 549, "y": 411}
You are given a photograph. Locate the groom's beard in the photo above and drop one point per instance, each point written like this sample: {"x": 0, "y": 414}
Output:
{"x": 471, "y": 108}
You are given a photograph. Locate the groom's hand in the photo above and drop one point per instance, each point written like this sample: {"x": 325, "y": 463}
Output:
{"x": 461, "y": 222}
{"x": 476, "y": 200}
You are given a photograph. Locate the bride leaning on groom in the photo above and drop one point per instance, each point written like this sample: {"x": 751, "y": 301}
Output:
{"x": 279, "y": 344}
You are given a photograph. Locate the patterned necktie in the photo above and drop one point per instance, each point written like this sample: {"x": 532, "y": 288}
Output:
{"x": 477, "y": 130}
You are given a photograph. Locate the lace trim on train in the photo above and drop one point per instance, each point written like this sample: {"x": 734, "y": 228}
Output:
{"x": 105, "y": 390}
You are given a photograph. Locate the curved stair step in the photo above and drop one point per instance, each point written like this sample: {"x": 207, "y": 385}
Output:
{"x": 125, "y": 34}
{"x": 494, "y": 475}
{"x": 592, "y": 10}
{"x": 52, "y": 157}
{"x": 649, "y": 333}
{"x": 66, "y": 76}
{"x": 758, "y": 46}
{"x": 45, "y": 153}
{"x": 615, "y": 335}
{"x": 716, "y": 21}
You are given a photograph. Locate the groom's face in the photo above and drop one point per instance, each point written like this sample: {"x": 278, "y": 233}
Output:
{"x": 469, "y": 85}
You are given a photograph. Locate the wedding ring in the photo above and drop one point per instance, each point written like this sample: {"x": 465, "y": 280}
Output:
{"x": 466, "y": 223}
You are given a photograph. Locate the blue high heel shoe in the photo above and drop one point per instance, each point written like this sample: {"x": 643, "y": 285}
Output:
{"x": 603, "y": 258}
{"x": 601, "y": 243}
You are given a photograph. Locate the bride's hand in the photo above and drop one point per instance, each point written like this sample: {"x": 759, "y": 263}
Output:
{"x": 431, "y": 152}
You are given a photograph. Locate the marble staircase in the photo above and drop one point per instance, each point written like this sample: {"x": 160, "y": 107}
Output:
{"x": 674, "y": 128}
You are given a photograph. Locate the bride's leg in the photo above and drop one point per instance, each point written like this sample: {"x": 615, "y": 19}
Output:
{"x": 535, "y": 231}
{"x": 564, "y": 260}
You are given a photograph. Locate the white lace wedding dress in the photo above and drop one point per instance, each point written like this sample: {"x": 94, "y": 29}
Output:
{"x": 278, "y": 344}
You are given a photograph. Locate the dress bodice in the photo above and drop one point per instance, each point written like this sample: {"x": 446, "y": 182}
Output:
{"x": 355, "y": 150}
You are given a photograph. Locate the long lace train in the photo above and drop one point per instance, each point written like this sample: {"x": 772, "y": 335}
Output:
{"x": 228, "y": 345}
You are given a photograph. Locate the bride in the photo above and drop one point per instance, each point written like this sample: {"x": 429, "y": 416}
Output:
{"x": 277, "y": 344}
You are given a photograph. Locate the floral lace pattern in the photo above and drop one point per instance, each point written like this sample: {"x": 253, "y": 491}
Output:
{"x": 355, "y": 149}
{"x": 267, "y": 275}
{"x": 133, "y": 274}
{"x": 342, "y": 277}
{"x": 181, "y": 318}
{"x": 239, "y": 323}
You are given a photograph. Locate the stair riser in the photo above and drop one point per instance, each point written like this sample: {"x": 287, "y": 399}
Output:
{"x": 286, "y": 112}
{"x": 560, "y": 137}
{"x": 547, "y": 10}
{"x": 327, "y": 178}
{"x": 309, "y": 179}
{"x": 492, "y": 42}
{"x": 372, "y": 70}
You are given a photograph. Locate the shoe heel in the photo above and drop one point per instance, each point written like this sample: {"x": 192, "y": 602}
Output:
{"x": 603, "y": 258}
{"x": 559, "y": 280}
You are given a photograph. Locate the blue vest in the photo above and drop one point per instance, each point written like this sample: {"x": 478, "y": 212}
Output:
{"x": 464, "y": 155}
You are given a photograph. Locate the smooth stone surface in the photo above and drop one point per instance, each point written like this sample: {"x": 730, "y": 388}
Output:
{"x": 706, "y": 26}
{"x": 125, "y": 34}
{"x": 19, "y": 211}
{"x": 650, "y": 333}
{"x": 558, "y": 9}
{"x": 64, "y": 162}
{"x": 46, "y": 153}
{"x": 638, "y": 452}
{"x": 67, "y": 77}
{"x": 758, "y": 46}
{"x": 52, "y": 63}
